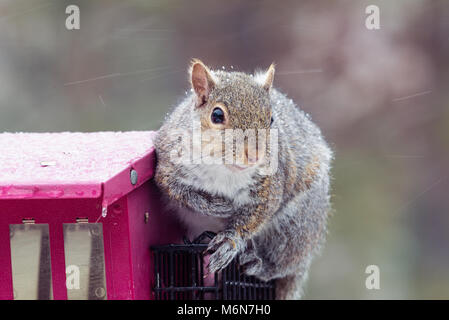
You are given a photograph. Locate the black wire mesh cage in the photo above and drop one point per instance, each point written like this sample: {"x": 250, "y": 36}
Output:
{"x": 179, "y": 274}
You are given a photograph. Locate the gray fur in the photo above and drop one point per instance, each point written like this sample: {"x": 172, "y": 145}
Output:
{"x": 275, "y": 223}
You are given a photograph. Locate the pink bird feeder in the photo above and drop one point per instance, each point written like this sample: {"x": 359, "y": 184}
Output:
{"x": 78, "y": 214}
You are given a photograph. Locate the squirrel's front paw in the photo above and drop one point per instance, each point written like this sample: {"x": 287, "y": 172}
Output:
{"x": 250, "y": 263}
{"x": 225, "y": 246}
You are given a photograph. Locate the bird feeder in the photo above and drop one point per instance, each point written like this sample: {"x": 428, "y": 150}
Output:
{"x": 78, "y": 214}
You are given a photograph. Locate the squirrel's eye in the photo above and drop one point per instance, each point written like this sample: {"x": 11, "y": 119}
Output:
{"x": 217, "y": 116}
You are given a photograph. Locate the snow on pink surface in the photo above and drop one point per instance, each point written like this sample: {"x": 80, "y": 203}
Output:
{"x": 37, "y": 159}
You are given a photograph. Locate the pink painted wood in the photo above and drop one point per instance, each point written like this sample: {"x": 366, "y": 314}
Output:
{"x": 56, "y": 178}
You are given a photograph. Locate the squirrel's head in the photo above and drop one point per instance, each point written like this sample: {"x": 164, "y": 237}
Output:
{"x": 232, "y": 100}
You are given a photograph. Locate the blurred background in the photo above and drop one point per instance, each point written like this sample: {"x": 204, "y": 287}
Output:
{"x": 380, "y": 96}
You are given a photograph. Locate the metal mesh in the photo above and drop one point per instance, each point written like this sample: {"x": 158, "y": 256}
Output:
{"x": 179, "y": 275}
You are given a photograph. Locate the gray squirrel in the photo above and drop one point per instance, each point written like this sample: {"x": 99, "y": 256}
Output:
{"x": 275, "y": 222}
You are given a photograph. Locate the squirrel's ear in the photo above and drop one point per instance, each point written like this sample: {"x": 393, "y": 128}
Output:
{"x": 269, "y": 77}
{"x": 202, "y": 80}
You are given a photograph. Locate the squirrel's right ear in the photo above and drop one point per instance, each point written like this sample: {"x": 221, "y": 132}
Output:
{"x": 265, "y": 79}
{"x": 269, "y": 77}
{"x": 202, "y": 81}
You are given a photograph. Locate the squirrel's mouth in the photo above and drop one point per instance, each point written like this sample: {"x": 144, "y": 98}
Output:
{"x": 235, "y": 167}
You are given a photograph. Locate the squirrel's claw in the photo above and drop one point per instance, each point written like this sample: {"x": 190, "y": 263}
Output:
{"x": 253, "y": 267}
{"x": 251, "y": 264}
{"x": 225, "y": 247}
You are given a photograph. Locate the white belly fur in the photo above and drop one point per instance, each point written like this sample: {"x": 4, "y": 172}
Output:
{"x": 197, "y": 223}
